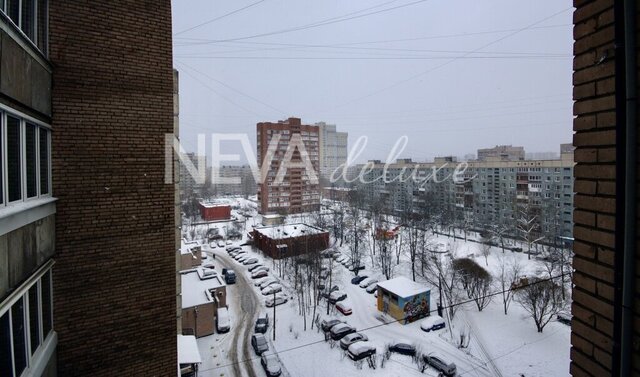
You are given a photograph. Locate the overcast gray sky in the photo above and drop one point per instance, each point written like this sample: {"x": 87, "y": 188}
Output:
{"x": 453, "y": 76}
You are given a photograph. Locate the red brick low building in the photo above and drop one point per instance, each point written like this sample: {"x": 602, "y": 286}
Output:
{"x": 289, "y": 240}
{"x": 214, "y": 211}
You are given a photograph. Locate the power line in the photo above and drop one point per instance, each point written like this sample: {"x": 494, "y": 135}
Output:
{"x": 328, "y": 21}
{"x": 372, "y": 58}
{"x": 251, "y": 359}
{"x": 233, "y": 89}
{"x": 220, "y": 17}
{"x": 413, "y": 77}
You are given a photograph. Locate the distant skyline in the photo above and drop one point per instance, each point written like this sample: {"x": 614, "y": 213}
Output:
{"x": 453, "y": 77}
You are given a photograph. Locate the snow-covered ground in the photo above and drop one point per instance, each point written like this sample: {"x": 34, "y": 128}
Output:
{"x": 506, "y": 345}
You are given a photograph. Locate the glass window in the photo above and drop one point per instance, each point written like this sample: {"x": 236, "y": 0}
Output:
{"x": 42, "y": 26}
{"x": 5, "y": 345}
{"x": 13, "y": 11}
{"x": 34, "y": 324}
{"x": 45, "y": 284}
{"x": 28, "y": 18}
{"x": 19, "y": 340}
{"x": 44, "y": 161}
{"x": 14, "y": 173}
{"x": 30, "y": 155}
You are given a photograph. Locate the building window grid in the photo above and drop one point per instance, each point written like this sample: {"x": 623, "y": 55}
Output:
{"x": 30, "y": 17}
{"x": 40, "y": 131}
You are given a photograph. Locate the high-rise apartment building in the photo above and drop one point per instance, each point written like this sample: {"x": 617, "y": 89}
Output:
{"x": 299, "y": 190}
{"x": 332, "y": 151}
{"x": 489, "y": 192}
{"x": 87, "y": 225}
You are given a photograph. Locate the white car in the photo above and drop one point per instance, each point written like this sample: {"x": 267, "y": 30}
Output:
{"x": 434, "y": 322}
{"x": 229, "y": 242}
{"x": 271, "y": 289}
{"x": 367, "y": 282}
{"x": 270, "y": 302}
{"x": 268, "y": 282}
{"x": 349, "y": 339}
{"x": 250, "y": 261}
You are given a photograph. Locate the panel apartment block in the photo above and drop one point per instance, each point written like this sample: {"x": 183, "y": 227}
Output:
{"x": 115, "y": 277}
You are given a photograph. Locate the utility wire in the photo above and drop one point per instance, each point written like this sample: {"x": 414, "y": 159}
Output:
{"x": 220, "y": 17}
{"x": 395, "y": 321}
{"x": 328, "y": 21}
{"x": 531, "y": 57}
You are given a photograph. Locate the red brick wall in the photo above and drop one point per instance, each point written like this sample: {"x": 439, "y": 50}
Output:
{"x": 215, "y": 213}
{"x": 595, "y": 185}
{"x": 114, "y": 281}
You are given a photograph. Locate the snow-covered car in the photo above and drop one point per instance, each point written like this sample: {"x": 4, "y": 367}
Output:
{"x": 223, "y": 321}
{"x": 250, "y": 261}
{"x": 238, "y": 254}
{"x": 262, "y": 323}
{"x": 220, "y": 244}
{"x": 360, "y": 350}
{"x": 328, "y": 323}
{"x": 262, "y": 268}
{"x": 259, "y": 274}
{"x": 268, "y": 282}
{"x": 243, "y": 258}
{"x": 336, "y": 296}
{"x": 262, "y": 280}
{"x": 229, "y": 242}
{"x": 403, "y": 347}
{"x": 352, "y": 338}
{"x": 358, "y": 279}
{"x": 271, "y": 365}
{"x": 355, "y": 267}
{"x": 256, "y": 266}
{"x": 259, "y": 343}
{"x": 213, "y": 245}
{"x": 434, "y": 322}
{"x": 366, "y": 282}
{"x": 373, "y": 288}
{"x": 279, "y": 300}
{"x": 344, "y": 308}
{"x": 438, "y": 363}
{"x": 340, "y": 330}
{"x": 271, "y": 289}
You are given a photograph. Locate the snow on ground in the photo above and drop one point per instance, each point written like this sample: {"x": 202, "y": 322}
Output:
{"x": 510, "y": 341}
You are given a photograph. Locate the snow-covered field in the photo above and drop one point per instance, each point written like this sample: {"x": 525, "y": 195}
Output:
{"x": 504, "y": 345}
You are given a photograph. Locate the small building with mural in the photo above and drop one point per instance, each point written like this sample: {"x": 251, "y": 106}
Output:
{"x": 404, "y": 299}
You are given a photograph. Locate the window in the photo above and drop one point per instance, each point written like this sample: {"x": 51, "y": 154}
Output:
{"x": 25, "y": 146}
{"x": 5, "y": 345}
{"x": 34, "y": 313}
{"x": 19, "y": 342}
{"x": 31, "y": 17}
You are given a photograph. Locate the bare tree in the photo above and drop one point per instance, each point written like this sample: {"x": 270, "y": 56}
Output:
{"x": 475, "y": 280}
{"x": 528, "y": 225}
{"x": 485, "y": 249}
{"x": 542, "y": 299}
{"x": 438, "y": 271}
{"x": 508, "y": 277}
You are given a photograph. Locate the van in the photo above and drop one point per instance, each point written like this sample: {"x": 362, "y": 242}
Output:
{"x": 262, "y": 323}
{"x": 230, "y": 277}
{"x": 223, "y": 322}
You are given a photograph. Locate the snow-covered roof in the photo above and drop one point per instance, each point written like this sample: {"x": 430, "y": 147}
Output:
{"x": 403, "y": 287}
{"x": 288, "y": 231}
{"x": 196, "y": 286}
{"x": 186, "y": 247}
{"x": 272, "y": 216}
{"x": 214, "y": 204}
{"x": 188, "y": 350}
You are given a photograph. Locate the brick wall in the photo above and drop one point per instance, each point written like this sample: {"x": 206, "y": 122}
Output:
{"x": 114, "y": 281}
{"x": 595, "y": 185}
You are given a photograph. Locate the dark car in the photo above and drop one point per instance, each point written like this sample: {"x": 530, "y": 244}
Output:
{"x": 262, "y": 323}
{"x": 358, "y": 279}
{"x": 230, "y": 277}
{"x": 327, "y": 324}
{"x": 449, "y": 369}
{"x": 340, "y": 330}
{"x": 271, "y": 365}
{"x": 259, "y": 343}
{"x": 321, "y": 286}
{"x": 403, "y": 347}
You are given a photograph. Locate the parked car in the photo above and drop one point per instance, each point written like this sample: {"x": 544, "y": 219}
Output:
{"x": 360, "y": 350}
{"x": 438, "y": 363}
{"x": 220, "y": 244}
{"x": 372, "y": 288}
{"x": 358, "y": 279}
{"x": 403, "y": 347}
{"x": 324, "y": 275}
{"x": 340, "y": 330}
{"x": 564, "y": 318}
{"x": 335, "y": 288}
{"x": 261, "y": 269}
{"x": 354, "y": 268}
{"x": 321, "y": 286}
{"x": 271, "y": 289}
{"x": 259, "y": 274}
{"x": 259, "y": 343}
{"x": 252, "y": 268}
{"x": 434, "y": 322}
{"x": 213, "y": 245}
{"x": 271, "y": 365}
{"x": 328, "y": 323}
{"x": 352, "y": 338}
{"x": 228, "y": 242}
{"x": 279, "y": 300}
{"x": 344, "y": 308}
{"x": 367, "y": 282}
{"x": 242, "y": 259}
{"x": 262, "y": 323}
{"x": 336, "y": 296}
{"x": 269, "y": 279}
{"x": 230, "y": 277}
{"x": 223, "y": 322}
{"x": 268, "y": 282}
{"x": 250, "y": 261}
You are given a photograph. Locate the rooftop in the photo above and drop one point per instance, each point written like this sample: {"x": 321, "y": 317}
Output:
{"x": 196, "y": 286}
{"x": 186, "y": 247}
{"x": 188, "y": 352}
{"x": 288, "y": 231}
{"x": 403, "y": 287}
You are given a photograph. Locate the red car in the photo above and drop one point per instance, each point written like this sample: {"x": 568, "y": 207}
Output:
{"x": 344, "y": 308}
